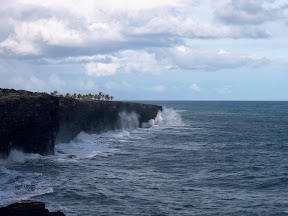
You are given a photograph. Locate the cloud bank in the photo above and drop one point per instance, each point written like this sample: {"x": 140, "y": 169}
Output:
{"x": 126, "y": 44}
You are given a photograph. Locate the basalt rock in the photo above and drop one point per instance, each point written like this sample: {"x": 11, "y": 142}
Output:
{"x": 34, "y": 122}
{"x": 28, "y": 209}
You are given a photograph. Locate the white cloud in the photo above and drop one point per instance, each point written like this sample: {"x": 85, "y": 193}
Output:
{"x": 101, "y": 69}
{"x": 21, "y": 47}
{"x": 52, "y": 31}
{"x": 195, "y": 87}
{"x": 31, "y": 83}
{"x": 127, "y": 61}
{"x": 140, "y": 62}
{"x": 39, "y": 27}
{"x": 79, "y": 59}
{"x": 87, "y": 85}
{"x": 29, "y": 35}
{"x": 223, "y": 52}
{"x": 122, "y": 86}
{"x": 115, "y": 4}
{"x": 224, "y": 90}
{"x": 158, "y": 88}
{"x": 187, "y": 58}
{"x": 240, "y": 12}
{"x": 56, "y": 83}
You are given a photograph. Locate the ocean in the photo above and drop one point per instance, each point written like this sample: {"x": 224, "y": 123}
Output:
{"x": 195, "y": 158}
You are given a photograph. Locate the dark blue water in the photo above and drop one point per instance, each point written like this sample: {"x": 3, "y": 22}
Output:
{"x": 199, "y": 158}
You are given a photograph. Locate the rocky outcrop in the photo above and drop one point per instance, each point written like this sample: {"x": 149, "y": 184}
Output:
{"x": 34, "y": 122}
{"x": 28, "y": 209}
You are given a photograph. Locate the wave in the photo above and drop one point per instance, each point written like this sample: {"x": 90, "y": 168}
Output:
{"x": 88, "y": 146}
{"x": 166, "y": 117}
{"x": 82, "y": 147}
{"x": 18, "y": 157}
{"x": 17, "y": 186}
{"x": 22, "y": 185}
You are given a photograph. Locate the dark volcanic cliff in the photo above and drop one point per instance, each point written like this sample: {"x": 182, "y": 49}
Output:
{"x": 34, "y": 122}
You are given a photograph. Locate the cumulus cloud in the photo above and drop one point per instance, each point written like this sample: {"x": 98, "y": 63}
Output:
{"x": 195, "y": 87}
{"x": 141, "y": 62}
{"x": 189, "y": 59}
{"x": 101, "y": 69}
{"x": 20, "y": 47}
{"x": 41, "y": 27}
{"x": 239, "y": 12}
{"x": 29, "y": 35}
{"x": 127, "y": 61}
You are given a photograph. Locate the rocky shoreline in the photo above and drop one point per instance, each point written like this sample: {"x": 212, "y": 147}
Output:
{"x": 28, "y": 209}
{"x": 33, "y": 122}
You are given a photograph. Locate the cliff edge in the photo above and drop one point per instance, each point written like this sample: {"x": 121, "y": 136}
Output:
{"x": 34, "y": 122}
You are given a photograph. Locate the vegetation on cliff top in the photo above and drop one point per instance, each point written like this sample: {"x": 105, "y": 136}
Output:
{"x": 7, "y": 94}
{"x": 87, "y": 97}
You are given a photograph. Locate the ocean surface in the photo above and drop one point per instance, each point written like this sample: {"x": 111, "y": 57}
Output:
{"x": 195, "y": 158}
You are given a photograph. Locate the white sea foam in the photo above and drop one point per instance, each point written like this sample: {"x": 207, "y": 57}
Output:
{"x": 166, "y": 117}
{"x": 128, "y": 120}
{"x": 16, "y": 156}
{"x": 83, "y": 146}
{"x": 17, "y": 185}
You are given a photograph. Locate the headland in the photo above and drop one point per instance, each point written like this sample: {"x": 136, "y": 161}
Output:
{"x": 34, "y": 122}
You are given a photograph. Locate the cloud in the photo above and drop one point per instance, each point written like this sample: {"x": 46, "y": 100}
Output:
{"x": 158, "y": 88}
{"x": 195, "y": 87}
{"x": 224, "y": 90}
{"x": 141, "y": 62}
{"x": 31, "y": 83}
{"x": 41, "y": 28}
{"x": 101, "y": 69}
{"x": 242, "y": 12}
{"x": 127, "y": 61}
{"x": 87, "y": 85}
{"x": 188, "y": 59}
{"x": 29, "y": 35}
{"x": 56, "y": 83}
{"x": 80, "y": 59}
{"x": 21, "y": 47}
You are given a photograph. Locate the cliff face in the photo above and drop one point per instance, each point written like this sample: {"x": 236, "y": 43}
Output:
{"x": 34, "y": 122}
{"x": 98, "y": 116}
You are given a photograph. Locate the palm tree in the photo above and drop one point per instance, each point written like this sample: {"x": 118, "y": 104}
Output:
{"x": 90, "y": 96}
{"x": 54, "y": 93}
{"x": 68, "y": 95}
{"x": 111, "y": 98}
{"x": 74, "y": 96}
{"x": 79, "y": 96}
{"x": 107, "y": 97}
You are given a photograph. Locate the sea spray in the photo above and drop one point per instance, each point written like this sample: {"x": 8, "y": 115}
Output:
{"x": 16, "y": 156}
{"x": 128, "y": 120}
{"x": 83, "y": 146}
{"x": 167, "y": 117}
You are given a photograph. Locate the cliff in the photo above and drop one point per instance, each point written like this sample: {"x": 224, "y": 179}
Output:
{"x": 34, "y": 122}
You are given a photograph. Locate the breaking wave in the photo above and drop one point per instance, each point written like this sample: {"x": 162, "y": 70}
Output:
{"x": 128, "y": 120}
{"x": 166, "y": 117}
{"x": 17, "y": 186}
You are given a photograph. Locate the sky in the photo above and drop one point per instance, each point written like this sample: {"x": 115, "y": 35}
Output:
{"x": 147, "y": 50}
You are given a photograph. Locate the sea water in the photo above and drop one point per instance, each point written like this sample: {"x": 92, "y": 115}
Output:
{"x": 194, "y": 158}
